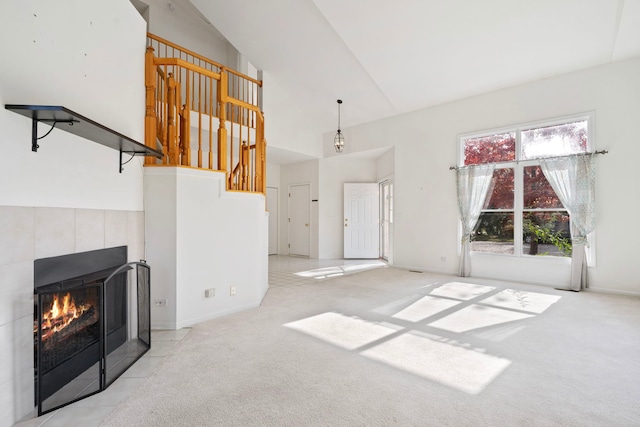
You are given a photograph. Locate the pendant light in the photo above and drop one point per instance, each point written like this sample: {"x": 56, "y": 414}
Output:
{"x": 338, "y": 140}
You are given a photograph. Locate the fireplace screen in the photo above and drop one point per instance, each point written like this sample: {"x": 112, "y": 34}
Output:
{"x": 121, "y": 352}
{"x": 88, "y": 331}
{"x": 68, "y": 344}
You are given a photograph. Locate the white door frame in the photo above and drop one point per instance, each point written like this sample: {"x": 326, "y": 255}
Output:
{"x": 386, "y": 214}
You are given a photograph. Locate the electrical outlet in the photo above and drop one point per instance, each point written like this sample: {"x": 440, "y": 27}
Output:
{"x": 232, "y": 290}
{"x": 210, "y": 293}
{"x": 443, "y": 258}
{"x": 160, "y": 302}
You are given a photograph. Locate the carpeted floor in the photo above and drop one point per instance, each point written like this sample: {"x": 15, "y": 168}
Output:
{"x": 388, "y": 347}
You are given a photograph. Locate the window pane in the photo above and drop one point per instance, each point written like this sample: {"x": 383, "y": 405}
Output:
{"x": 494, "y": 233}
{"x": 538, "y": 193}
{"x": 501, "y": 190}
{"x": 558, "y": 140}
{"x": 489, "y": 149}
{"x": 546, "y": 233}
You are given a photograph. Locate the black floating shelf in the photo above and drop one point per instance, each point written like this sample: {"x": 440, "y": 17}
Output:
{"x": 79, "y": 125}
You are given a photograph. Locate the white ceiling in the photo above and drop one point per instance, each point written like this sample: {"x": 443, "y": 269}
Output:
{"x": 385, "y": 58}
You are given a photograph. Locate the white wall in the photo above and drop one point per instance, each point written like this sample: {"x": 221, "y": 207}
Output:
{"x": 334, "y": 173}
{"x": 68, "y": 197}
{"x": 273, "y": 181}
{"x": 386, "y": 165}
{"x": 98, "y": 74}
{"x": 273, "y": 175}
{"x": 426, "y": 218}
{"x": 299, "y": 173}
{"x": 286, "y": 126}
{"x": 199, "y": 237}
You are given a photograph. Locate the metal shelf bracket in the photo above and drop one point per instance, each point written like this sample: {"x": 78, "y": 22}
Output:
{"x": 82, "y": 127}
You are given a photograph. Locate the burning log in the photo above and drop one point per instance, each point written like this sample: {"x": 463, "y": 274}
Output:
{"x": 76, "y": 326}
{"x": 65, "y": 315}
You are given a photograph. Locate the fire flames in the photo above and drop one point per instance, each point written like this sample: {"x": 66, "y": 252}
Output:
{"x": 63, "y": 311}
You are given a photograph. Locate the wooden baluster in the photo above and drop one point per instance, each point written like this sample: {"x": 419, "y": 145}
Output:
{"x": 163, "y": 141}
{"x": 185, "y": 132}
{"x": 244, "y": 170}
{"x": 150, "y": 114}
{"x": 171, "y": 125}
{"x": 185, "y": 136}
{"x": 200, "y": 122}
{"x": 162, "y": 108}
{"x": 222, "y": 130}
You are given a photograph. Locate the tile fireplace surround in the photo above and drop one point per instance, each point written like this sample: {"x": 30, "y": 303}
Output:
{"x": 29, "y": 233}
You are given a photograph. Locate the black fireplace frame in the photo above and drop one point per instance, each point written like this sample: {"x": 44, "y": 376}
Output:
{"x": 101, "y": 269}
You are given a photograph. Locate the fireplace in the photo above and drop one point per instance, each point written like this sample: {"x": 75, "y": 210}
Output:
{"x": 90, "y": 323}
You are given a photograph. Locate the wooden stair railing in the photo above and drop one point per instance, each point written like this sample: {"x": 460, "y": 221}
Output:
{"x": 244, "y": 169}
{"x": 187, "y": 96}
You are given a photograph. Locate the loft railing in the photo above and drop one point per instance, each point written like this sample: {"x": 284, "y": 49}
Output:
{"x": 204, "y": 115}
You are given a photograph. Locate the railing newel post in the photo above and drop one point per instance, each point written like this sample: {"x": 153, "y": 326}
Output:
{"x": 185, "y": 136}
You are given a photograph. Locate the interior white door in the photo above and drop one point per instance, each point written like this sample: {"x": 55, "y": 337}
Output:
{"x": 272, "y": 208}
{"x": 299, "y": 219}
{"x": 361, "y": 220}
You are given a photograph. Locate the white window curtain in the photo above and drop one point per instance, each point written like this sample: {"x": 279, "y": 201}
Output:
{"x": 473, "y": 183}
{"x": 573, "y": 180}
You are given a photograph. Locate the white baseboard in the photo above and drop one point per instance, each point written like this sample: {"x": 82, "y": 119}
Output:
{"x": 613, "y": 291}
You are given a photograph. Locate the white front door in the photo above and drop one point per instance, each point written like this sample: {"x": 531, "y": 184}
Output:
{"x": 361, "y": 223}
{"x": 299, "y": 219}
{"x": 272, "y": 208}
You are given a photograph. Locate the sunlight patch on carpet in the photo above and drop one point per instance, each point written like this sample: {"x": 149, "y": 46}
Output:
{"x": 477, "y": 316}
{"x": 460, "y": 368}
{"x": 341, "y": 270}
{"x": 343, "y": 331}
{"x": 426, "y": 306}
{"x": 521, "y": 300}
{"x": 462, "y": 291}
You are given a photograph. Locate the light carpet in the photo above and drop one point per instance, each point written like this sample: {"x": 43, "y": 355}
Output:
{"x": 392, "y": 347}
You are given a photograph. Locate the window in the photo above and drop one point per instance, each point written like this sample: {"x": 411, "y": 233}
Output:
{"x": 522, "y": 214}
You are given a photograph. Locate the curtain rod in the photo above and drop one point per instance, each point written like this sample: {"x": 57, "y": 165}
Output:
{"x": 528, "y": 160}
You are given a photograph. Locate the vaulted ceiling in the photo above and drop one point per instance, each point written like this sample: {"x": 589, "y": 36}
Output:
{"x": 385, "y": 58}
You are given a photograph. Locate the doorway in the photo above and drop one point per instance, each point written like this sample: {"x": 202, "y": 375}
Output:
{"x": 299, "y": 219}
{"x": 361, "y": 221}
